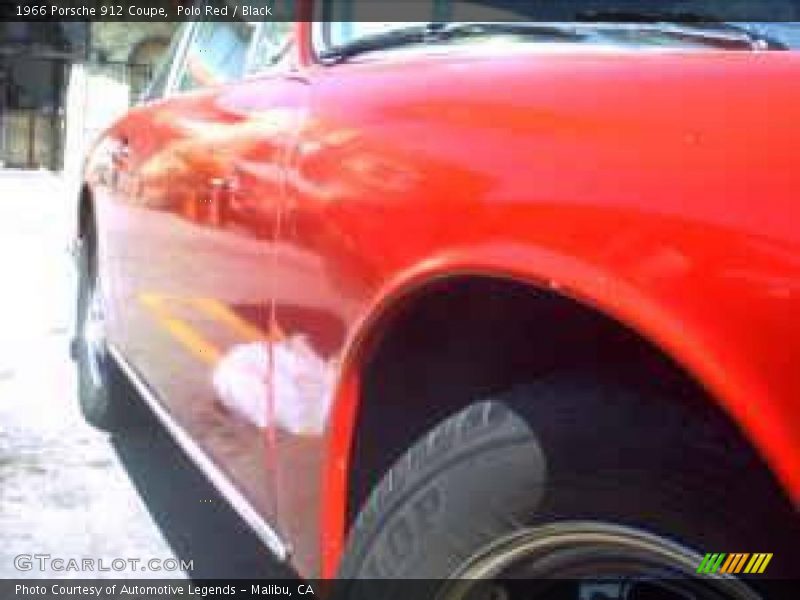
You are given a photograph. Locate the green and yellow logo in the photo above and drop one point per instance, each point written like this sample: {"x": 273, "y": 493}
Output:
{"x": 734, "y": 563}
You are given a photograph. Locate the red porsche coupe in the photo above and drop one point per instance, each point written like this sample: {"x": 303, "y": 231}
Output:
{"x": 466, "y": 300}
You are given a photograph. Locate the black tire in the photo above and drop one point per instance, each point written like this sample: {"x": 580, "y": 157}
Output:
{"x": 574, "y": 450}
{"x": 107, "y": 400}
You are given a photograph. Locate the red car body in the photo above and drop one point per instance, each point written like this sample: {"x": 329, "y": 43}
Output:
{"x": 660, "y": 189}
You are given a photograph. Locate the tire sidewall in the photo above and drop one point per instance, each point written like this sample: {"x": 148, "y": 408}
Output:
{"x": 94, "y": 400}
{"x": 482, "y": 496}
{"x": 414, "y": 525}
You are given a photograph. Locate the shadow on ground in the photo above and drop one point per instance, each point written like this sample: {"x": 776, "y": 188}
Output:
{"x": 194, "y": 519}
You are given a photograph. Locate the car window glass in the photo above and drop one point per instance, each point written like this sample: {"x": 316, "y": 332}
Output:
{"x": 216, "y": 54}
{"x": 158, "y": 85}
{"x": 272, "y": 45}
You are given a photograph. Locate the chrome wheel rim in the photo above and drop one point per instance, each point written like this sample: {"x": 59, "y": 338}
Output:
{"x": 94, "y": 337}
{"x": 588, "y": 561}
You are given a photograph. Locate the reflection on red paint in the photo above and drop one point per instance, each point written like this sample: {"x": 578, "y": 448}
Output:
{"x": 303, "y": 383}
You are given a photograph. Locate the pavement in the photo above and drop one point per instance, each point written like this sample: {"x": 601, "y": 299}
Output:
{"x": 67, "y": 490}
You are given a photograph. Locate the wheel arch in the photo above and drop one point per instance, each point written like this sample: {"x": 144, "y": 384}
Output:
{"x": 585, "y": 285}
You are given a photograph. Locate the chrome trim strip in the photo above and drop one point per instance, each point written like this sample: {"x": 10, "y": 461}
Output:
{"x": 214, "y": 474}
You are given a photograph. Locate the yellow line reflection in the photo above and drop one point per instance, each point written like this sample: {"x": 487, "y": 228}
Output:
{"x": 191, "y": 338}
{"x": 221, "y": 312}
